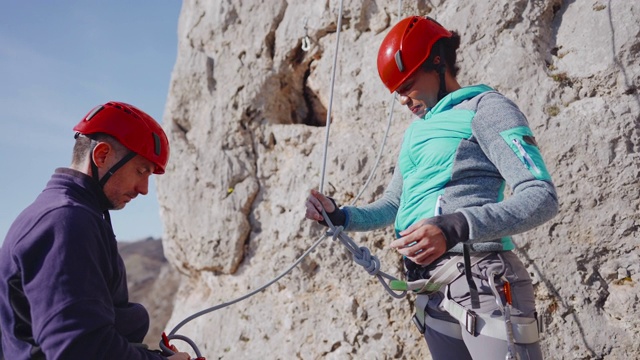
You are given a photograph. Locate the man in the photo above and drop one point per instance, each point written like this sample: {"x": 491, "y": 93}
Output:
{"x": 475, "y": 298}
{"x": 63, "y": 286}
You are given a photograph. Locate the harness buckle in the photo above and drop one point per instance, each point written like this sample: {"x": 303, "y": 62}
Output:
{"x": 539, "y": 322}
{"x": 470, "y": 322}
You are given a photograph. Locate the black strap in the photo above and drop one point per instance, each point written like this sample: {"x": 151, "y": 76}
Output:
{"x": 115, "y": 167}
{"x": 441, "y": 68}
{"x": 473, "y": 289}
{"x": 107, "y": 217}
{"x": 442, "y": 92}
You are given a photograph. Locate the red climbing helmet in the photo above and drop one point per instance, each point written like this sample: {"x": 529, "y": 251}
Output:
{"x": 132, "y": 127}
{"x": 406, "y": 46}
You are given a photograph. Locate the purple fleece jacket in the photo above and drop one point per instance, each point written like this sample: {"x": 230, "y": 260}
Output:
{"x": 63, "y": 286}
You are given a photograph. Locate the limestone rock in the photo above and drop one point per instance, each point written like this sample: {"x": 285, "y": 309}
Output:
{"x": 246, "y": 114}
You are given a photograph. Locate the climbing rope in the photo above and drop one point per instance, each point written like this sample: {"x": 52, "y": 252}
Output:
{"x": 361, "y": 255}
{"x": 333, "y": 81}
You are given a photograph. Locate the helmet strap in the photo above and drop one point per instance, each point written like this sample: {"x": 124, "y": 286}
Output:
{"x": 442, "y": 92}
{"x": 442, "y": 69}
{"x": 113, "y": 169}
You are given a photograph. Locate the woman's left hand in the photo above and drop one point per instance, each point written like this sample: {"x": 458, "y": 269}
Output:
{"x": 421, "y": 242}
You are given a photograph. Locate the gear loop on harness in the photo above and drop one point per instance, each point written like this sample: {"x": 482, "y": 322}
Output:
{"x": 506, "y": 314}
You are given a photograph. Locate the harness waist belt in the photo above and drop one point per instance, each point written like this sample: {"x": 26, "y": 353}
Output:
{"x": 444, "y": 275}
{"x": 525, "y": 330}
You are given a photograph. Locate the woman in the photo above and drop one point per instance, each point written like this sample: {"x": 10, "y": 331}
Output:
{"x": 446, "y": 200}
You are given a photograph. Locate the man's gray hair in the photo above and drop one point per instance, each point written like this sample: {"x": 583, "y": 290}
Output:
{"x": 85, "y": 144}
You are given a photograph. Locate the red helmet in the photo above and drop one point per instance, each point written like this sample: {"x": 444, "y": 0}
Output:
{"x": 132, "y": 127}
{"x": 406, "y": 46}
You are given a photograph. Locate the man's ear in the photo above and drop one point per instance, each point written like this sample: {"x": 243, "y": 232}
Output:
{"x": 100, "y": 153}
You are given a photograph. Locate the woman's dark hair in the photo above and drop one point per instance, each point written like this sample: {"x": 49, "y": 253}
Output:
{"x": 445, "y": 48}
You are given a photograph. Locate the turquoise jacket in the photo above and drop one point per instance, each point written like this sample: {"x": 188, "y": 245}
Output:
{"x": 453, "y": 167}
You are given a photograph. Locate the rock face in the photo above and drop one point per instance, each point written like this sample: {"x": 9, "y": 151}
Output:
{"x": 246, "y": 117}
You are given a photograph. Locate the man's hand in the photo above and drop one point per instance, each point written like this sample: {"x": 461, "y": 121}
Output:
{"x": 421, "y": 242}
{"x": 180, "y": 356}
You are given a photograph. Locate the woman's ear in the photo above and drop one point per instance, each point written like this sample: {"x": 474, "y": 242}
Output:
{"x": 100, "y": 153}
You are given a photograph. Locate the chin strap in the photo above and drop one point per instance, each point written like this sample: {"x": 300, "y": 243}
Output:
{"x": 113, "y": 169}
{"x": 441, "y": 68}
{"x": 107, "y": 176}
{"x": 443, "y": 86}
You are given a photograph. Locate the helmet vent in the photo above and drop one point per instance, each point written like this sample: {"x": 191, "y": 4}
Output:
{"x": 93, "y": 112}
{"x": 157, "y": 146}
{"x": 399, "y": 63}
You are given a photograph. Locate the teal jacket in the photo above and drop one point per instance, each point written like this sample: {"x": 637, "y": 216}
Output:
{"x": 453, "y": 168}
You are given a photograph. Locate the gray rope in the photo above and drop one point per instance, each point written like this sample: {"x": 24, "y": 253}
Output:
{"x": 223, "y": 305}
{"x": 361, "y": 255}
{"x": 379, "y": 157}
{"x": 333, "y": 81}
{"x": 193, "y": 345}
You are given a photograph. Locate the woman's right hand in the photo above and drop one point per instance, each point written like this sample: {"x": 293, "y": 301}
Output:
{"x": 315, "y": 203}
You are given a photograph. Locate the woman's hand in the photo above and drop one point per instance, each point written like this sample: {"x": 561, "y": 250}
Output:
{"x": 421, "y": 242}
{"x": 315, "y": 203}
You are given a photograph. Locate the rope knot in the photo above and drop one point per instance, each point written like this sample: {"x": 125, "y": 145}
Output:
{"x": 369, "y": 262}
{"x": 335, "y": 232}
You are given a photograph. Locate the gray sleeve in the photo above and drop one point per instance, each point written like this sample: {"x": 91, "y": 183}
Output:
{"x": 379, "y": 213}
{"x": 497, "y": 127}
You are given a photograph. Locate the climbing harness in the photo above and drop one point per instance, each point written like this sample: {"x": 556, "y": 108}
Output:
{"x": 442, "y": 277}
{"x": 504, "y": 326}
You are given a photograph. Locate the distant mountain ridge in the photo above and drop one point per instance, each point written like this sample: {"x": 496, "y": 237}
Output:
{"x": 152, "y": 282}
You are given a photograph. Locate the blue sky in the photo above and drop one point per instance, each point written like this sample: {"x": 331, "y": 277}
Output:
{"x": 58, "y": 59}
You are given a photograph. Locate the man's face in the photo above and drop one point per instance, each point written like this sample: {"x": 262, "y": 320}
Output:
{"x": 419, "y": 92}
{"x": 129, "y": 181}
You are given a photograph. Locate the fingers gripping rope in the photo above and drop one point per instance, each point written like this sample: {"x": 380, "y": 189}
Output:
{"x": 168, "y": 349}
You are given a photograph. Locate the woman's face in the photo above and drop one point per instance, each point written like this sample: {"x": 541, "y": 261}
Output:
{"x": 419, "y": 92}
